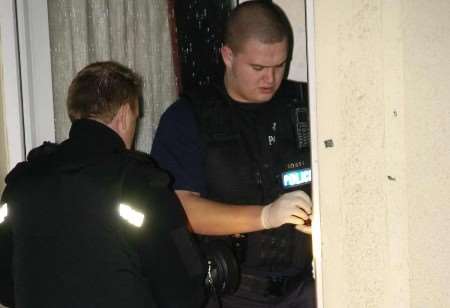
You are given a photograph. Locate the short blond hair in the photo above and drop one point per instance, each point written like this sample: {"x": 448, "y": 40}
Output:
{"x": 260, "y": 20}
{"x": 100, "y": 89}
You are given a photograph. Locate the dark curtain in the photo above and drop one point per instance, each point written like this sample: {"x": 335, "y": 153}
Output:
{"x": 198, "y": 38}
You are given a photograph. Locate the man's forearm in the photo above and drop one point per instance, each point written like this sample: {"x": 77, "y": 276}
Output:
{"x": 209, "y": 217}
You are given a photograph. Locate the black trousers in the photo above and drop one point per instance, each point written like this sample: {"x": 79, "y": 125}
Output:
{"x": 303, "y": 295}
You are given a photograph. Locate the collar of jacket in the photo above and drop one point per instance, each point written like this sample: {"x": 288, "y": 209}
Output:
{"x": 96, "y": 136}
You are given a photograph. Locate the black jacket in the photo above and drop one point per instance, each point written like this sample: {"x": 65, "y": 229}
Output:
{"x": 73, "y": 241}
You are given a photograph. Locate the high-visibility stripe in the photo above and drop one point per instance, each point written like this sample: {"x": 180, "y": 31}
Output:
{"x": 132, "y": 216}
{"x": 3, "y": 212}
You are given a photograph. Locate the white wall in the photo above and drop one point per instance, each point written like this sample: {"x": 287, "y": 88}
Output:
{"x": 383, "y": 98}
{"x": 3, "y": 143}
{"x": 295, "y": 11}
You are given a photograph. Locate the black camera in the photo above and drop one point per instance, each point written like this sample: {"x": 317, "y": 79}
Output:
{"x": 222, "y": 273}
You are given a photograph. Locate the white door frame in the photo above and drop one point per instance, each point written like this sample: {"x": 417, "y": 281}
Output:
{"x": 11, "y": 83}
{"x": 28, "y": 98}
{"x": 316, "y": 236}
{"x": 36, "y": 74}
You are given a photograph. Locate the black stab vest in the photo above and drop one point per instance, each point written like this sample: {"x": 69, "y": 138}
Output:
{"x": 66, "y": 229}
{"x": 244, "y": 164}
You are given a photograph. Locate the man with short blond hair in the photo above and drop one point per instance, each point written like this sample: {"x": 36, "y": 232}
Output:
{"x": 91, "y": 223}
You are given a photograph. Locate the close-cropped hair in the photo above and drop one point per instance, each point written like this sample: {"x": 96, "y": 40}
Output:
{"x": 257, "y": 19}
{"x": 100, "y": 89}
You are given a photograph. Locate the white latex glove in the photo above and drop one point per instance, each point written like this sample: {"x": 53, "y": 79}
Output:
{"x": 305, "y": 227}
{"x": 293, "y": 208}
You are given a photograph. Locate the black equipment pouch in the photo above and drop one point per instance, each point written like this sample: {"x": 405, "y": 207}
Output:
{"x": 223, "y": 273}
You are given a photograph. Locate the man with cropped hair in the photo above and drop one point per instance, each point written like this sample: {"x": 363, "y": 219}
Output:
{"x": 239, "y": 156}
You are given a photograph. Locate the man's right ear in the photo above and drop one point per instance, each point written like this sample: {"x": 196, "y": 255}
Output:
{"x": 121, "y": 117}
{"x": 227, "y": 55}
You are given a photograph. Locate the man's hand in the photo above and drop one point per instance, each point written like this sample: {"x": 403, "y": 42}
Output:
{"x": 293, "y": 208}
{"x": 306, "y": 226}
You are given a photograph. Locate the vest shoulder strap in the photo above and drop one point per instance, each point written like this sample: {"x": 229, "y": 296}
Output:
{"x": 294, "y": 92}
{"x": 213, "y": 113}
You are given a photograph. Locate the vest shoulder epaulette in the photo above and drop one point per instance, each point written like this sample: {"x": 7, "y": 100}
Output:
{"x": 142, "y": 165}
{"x": 35, "y": 158}
{"x": 42, "y": 152}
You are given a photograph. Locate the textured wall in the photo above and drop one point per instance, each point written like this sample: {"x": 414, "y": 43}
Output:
{"x": 427, "y": 119}
{"x": 382, "y": 89}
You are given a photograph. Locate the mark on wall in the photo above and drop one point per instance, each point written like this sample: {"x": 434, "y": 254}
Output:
{"x": 329, "y": 143}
